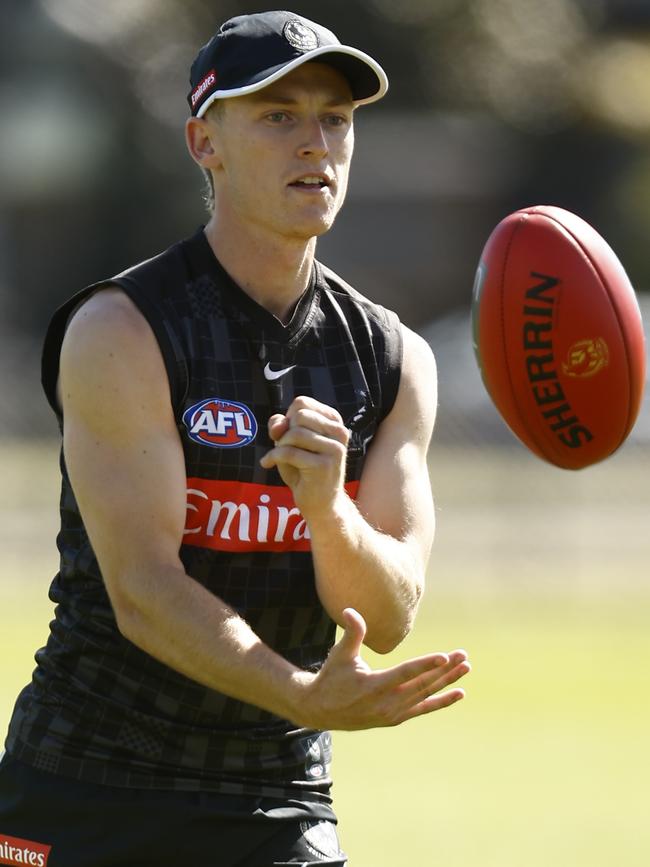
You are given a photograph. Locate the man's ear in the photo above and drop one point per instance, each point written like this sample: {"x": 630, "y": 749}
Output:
{"x": 202, "y": 141}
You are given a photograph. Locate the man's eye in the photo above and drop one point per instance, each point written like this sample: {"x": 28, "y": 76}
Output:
{"x": 277, "y": 116}
{"x": 336, "y": 120}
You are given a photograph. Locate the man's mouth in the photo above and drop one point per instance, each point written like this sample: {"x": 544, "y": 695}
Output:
{"x": 310, "y": 182}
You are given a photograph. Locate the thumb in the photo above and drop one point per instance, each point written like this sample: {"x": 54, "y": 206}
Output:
{"x": 278, "y": 425}
{"x": 355, "y": 631}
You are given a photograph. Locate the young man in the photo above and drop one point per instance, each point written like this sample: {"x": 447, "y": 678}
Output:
{"x": 244, "y": 468}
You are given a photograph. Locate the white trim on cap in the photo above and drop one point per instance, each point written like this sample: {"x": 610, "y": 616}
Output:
{"x": 308, "y": 55}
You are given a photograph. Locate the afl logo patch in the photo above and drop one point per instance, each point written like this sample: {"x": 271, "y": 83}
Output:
{"x": 223, "y": 424}
{"x": 300, "y": 36}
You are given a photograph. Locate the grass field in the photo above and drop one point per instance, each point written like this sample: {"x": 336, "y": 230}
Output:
{"x": 545, "y": 578}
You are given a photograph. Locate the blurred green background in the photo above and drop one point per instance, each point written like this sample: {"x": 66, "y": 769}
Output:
{"x": 544, "y": 576}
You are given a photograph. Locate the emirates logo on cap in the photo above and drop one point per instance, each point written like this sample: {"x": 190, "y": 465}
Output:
{"x": 206, "y": 84}
{"x": 300, "y": 36}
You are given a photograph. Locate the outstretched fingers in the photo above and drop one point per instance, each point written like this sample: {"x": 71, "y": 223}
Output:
{"x": 416, "y": 684}
{"x": 417, "y": 675}
{"x": 430, "y": 704}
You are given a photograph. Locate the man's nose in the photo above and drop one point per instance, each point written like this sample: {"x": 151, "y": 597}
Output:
{"x": 314, "y": 140}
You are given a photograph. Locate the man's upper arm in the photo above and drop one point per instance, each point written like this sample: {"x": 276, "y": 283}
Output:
{"x": 121, "y": 446}
{"x": 395, "y": 492}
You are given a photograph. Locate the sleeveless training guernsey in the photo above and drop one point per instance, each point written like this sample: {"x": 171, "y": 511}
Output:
{"x": 98, "y": 708}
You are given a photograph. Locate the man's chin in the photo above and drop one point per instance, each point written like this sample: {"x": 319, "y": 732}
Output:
{"x": 316, "y": 227}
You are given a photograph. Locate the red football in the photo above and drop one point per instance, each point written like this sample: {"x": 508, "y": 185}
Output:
{"x": 558, "y": 336}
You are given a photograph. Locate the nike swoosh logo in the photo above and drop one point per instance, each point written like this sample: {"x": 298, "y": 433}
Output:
{"x": 276, "y": 374}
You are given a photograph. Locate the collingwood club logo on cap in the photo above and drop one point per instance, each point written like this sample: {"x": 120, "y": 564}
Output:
{"x": 300, "y": 36}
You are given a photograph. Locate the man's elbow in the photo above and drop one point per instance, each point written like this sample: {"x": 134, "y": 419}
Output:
{"x": 384, "y": 643}
{"x": 129, "y": 612}
{"x": 387, "y": 639}
{"x": 129, "y": 621}
{"x": 388, "y": 635}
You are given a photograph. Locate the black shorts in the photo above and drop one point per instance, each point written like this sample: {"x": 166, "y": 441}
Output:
{"x": 51, "y": 821}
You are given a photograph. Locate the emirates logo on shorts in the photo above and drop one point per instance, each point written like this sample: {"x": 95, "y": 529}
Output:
{"x": 19, "y": 852}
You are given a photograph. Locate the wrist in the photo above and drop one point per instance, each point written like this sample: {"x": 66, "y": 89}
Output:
{"x": 300, "y": 699}
{"x": 332, "y": 517}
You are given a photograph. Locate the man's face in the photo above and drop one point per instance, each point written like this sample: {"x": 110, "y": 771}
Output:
{"x": 285, "y": 153}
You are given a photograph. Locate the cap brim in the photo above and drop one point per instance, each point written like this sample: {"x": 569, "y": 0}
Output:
{"x": 367, "y": 79}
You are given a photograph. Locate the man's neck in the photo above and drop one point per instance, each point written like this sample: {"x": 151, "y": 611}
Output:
{"x": 273, "y": 271}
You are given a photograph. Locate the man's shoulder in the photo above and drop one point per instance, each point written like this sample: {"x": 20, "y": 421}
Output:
{"x": 121, "y": 305}
{"x": 108, "y": 311}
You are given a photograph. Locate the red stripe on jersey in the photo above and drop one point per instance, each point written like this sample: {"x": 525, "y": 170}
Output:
{"x": 16, "y": 851}
{"x": 242, "y": 516}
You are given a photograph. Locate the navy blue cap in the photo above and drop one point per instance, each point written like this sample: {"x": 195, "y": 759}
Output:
{"x": 250, "y": 52}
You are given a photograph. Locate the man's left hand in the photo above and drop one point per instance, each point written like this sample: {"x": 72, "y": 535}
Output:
{"x": 310, "y": 453}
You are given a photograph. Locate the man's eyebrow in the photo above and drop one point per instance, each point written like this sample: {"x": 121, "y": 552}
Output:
{"x": 263, "y": 98}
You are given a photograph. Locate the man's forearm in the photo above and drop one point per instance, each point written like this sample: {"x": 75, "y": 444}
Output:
{"x": 177, "y": 621}
{"x": 187, "y": 628}
{"x": 357, "y": 566}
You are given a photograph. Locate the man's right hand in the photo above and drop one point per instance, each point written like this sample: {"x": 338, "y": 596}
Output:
{"x": 346, "y": 694}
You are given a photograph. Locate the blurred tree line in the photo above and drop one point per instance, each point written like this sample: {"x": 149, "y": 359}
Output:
{"x": 494, "y": 104}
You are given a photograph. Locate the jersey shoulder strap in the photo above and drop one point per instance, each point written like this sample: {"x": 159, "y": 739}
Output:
{"x": 386, "y": 334}
{"x": 150, "y": 285}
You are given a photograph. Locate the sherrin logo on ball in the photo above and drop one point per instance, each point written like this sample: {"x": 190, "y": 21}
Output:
{"x": 222, "y": 424}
